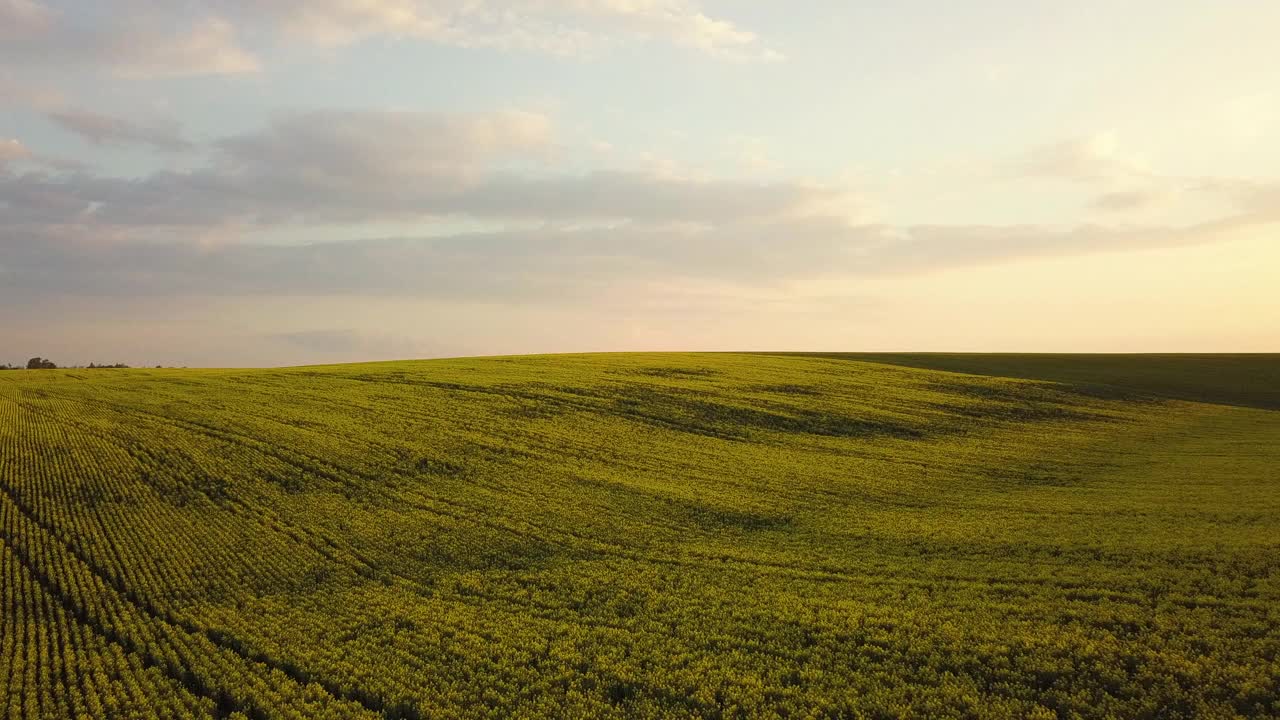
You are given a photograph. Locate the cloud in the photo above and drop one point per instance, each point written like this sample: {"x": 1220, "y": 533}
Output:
{"x": 144, "y": 38}
{"x": 1121, "y": 183}
{"x": 1248, "y": 195}
{"x": 95, "y": 127}
{"x": 14, "y": 151}
{"x": 15, "y": 94}
{"x": 927, "y": 248}
{"x": 11, "y": 150}
{"x": 208, "y": 47}
{"x": 681, "y": 22}
{"x": 355, "y": 167}
{"x": 558, "y": 264}
{"x": 133, "y": 38}
{"x": 19, "y": 17}
{"x": 1092, "y": 158}
{"x": 108, "y": 130}
{"x": 639, "y": 196}
{"x": 567, "y": 27}
{"x": 339, "y": 22}
{"x": 565, "y": 235}
{"x": 317, "y": 167}
{"x": 1128, "y": 200}
{"x": 372, "y": 145}
{"x": 256, "y": 196}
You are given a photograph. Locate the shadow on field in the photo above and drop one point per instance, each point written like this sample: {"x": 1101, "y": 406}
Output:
{"x": 700, "y": 413}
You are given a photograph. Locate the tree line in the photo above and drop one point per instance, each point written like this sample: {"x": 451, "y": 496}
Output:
{"x": 39, "y": 363}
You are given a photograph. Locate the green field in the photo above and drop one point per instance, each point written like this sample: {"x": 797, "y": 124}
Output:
{"x": 645, "y": 535}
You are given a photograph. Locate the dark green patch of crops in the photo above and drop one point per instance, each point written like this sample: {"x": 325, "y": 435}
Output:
{"x": 1247, "y": 380}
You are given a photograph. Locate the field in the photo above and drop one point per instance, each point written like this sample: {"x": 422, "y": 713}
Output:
{"x": 644, "y": 535}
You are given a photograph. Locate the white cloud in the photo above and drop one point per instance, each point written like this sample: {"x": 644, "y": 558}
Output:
{"x": 679, "y": 21}
{"x": 143, "y": 38}
{"x": 338, "y": 22}
{"x": 566, "y": 27}
{"x": 1120, "y": 181}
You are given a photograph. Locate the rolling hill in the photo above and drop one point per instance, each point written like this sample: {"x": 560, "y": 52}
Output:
{"x": 645, "y": 535}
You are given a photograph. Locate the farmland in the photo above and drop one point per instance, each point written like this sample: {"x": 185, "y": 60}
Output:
{"x": 644, "y": 535}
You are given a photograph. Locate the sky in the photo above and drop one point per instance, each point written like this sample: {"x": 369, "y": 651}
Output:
{"x": 241, "y": 183}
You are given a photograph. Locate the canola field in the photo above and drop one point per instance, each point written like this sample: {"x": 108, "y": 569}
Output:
{"x": 643, "y": 536}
